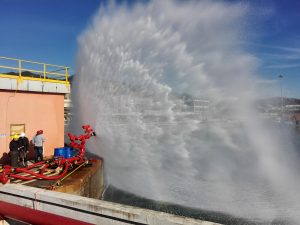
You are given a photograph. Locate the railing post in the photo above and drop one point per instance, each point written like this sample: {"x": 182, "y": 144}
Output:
{"x": 67, "y": 73}
{"x": 45, "y": 71}
{"x": 20, "y": 68}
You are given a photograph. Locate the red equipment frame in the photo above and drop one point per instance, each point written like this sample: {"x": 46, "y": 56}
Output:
{"x": 59, "y": 162}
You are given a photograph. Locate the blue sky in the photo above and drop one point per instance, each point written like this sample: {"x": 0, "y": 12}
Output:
{"x": 276, "y": 42}
{"x": 47, "y": 31}
{"x": 44, "y": 30}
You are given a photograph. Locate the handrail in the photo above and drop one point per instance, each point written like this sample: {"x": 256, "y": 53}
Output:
{"x": 46, "y": 74}
{"x": 29, "y": 61}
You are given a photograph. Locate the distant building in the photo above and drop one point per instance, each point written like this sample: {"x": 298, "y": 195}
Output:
{"x": 31, "y": 102}
{"x": 67, "y": 109}
{"x": 200, "y": 105}
{"x": 292, "y": 108}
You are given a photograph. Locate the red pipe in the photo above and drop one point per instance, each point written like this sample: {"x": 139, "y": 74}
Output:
{"x": 20, "y": 177}
{"x": 66, "y": 162}
{"x": 34, "y": 165}
{"x": 9, "y": 171}
{"x": 43, "y": 176}
{"x": 44, "y": 168}
{"x": 33, "y": 216}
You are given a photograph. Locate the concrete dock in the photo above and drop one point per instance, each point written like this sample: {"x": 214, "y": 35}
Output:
{"x": 76, "y": 197}
{"x": 87, "y": 210}
{"x": 86, "y": 181}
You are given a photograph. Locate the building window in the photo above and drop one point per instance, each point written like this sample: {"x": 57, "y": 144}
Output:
{"x": 17, "y": 129}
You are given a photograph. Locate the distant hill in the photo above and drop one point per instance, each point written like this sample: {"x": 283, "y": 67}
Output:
{"x": 34, "y": 75}
{"x": 276, "y": 105}
{"x": 276, "y": 101}
{"x": 25, "y": 74}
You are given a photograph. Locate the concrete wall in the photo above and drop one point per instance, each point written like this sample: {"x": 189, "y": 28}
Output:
{"x": 35, "y": 86}
{"x": 87, "y": 209}
{"x": 37, "y": 111}
{"x": 88, "y": 181}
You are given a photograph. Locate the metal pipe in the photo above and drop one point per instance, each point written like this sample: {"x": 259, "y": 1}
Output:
{"x": 33, "y": 216}
{"x": 9, "y": 171}
{"x": 43, "y": 176}
{"x": 20, "y": 177}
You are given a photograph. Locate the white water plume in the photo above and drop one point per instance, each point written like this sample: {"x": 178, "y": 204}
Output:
{"x": 137, "y": 69}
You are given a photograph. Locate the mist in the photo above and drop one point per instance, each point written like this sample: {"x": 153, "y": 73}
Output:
{"x": 135, "y": 68}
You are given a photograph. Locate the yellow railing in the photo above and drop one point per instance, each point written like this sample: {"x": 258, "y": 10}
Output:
{"x": 30, "y": 70}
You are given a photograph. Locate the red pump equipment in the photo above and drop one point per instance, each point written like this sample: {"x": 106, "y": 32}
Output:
{"x": 59, "y": 163}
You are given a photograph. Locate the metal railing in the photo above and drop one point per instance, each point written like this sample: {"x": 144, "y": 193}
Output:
{"x": 30, "y": 70}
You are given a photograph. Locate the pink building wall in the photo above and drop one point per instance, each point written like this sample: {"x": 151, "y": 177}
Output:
{"x": 38, "y": 111}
